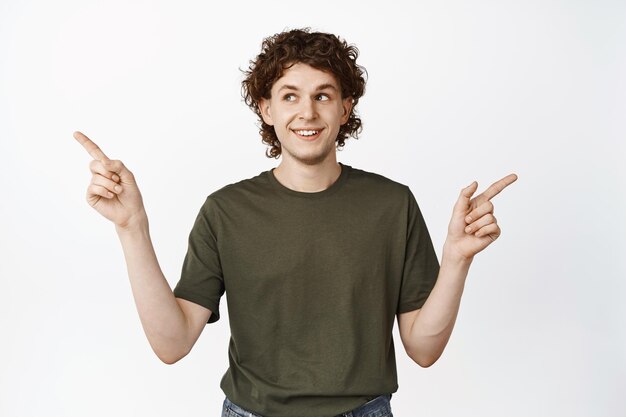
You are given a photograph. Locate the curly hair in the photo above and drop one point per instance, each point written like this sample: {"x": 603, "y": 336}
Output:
{"x": 322, "y": 51}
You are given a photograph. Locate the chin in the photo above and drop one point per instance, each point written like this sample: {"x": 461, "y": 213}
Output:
{"x": 311, "y": 159}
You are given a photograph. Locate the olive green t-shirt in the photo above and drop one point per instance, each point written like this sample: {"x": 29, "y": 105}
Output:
{"x": 313, "y": 284}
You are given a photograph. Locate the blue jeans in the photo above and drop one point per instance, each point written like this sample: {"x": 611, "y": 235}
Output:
{"x": 377, "y": 407}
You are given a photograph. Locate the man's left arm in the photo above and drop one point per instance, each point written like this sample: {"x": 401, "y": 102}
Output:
{"x": 426, "y": 331}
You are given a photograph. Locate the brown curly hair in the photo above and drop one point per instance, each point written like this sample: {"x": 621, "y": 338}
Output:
{"x": 322, "y": 51}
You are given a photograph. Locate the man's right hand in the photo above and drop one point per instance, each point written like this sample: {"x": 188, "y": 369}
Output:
{"x": 172, "y": 325}
{"x": 113, "y": 191}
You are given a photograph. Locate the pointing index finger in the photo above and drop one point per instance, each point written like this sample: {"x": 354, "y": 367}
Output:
{"x": 92, "y": 148}
{"x": 498, "y": 186}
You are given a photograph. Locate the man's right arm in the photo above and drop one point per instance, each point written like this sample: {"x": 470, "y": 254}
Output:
{"x": 172, "y": 325}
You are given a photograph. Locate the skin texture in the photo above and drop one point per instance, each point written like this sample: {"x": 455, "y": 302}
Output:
{"x": 304, "y": 98}
{"x": 172, "y": 325}
{"x": 426, "y": 331}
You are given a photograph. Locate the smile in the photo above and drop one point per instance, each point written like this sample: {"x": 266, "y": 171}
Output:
{"x": 307, "y": 134}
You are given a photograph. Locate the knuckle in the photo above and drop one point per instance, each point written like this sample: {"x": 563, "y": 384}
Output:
{"x": 100, "y": 190}
{"x": 93, "y": 190}
{"x": 94, "y": 165}
{"x": 97, "y": 179}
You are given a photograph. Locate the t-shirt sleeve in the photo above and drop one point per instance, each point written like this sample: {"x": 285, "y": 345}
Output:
{"x": 421, "y": 266}
{"x": 201, "y": 280}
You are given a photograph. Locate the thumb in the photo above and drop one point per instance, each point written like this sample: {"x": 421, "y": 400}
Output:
{"x": 116, "y": 166}
{"x": 462, "y": 204}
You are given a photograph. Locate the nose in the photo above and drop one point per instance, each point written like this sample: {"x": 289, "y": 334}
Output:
{"x": 307, "y": 109}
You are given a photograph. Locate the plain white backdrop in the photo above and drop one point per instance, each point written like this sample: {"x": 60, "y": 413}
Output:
{"x": 458, "y": 91}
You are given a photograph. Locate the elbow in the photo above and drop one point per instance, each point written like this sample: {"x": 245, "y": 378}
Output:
{"x": 426, "y": 364}
{"x": 423, "y": 361}
{"x": 170, "y": 358}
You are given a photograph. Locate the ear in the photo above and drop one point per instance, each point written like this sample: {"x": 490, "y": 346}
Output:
{"x": 266, "y": 114}
{"x": 346, "y": 103}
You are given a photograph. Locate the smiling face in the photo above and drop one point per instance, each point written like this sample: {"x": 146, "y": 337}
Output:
{"x": 306, "y": 110}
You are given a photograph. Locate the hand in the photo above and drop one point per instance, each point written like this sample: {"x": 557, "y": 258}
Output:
{"x": 113, "y": 191}
{"x": 473, "y": 226}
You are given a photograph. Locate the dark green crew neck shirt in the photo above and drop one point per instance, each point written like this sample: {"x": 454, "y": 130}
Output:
{"x": 313, "y": 283}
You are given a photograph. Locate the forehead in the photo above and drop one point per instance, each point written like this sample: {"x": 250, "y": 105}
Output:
{"x": 304, "y": 76}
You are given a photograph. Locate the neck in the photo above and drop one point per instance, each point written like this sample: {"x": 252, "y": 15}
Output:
{"x": 308, "y": 178}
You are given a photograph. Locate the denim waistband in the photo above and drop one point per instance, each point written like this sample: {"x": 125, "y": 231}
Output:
{"x": 376, "y": 407}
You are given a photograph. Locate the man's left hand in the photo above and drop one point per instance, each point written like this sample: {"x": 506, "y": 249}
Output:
{"x": 473, "y": 226}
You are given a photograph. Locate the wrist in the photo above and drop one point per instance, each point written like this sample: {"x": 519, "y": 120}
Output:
{"x": 136, "y": 224}
{"x": 452, "y": 256}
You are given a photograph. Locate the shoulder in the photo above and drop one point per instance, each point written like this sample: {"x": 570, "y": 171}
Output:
{"x": 243, "y": 189}
{"x": 375, "y": 183}
{"x": 236, "y": 194}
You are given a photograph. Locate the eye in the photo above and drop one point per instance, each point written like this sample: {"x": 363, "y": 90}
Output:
{"x": 289, "y": 97}
{"x": 322, "y": 97}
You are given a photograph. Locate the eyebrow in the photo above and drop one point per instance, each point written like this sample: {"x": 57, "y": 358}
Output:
{"x": 320, "y": 87}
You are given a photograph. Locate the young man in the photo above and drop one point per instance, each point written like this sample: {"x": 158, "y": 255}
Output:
{"x": 316, "y": 257}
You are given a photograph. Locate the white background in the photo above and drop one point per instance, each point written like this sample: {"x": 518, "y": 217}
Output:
{"x": 458, "y": 91}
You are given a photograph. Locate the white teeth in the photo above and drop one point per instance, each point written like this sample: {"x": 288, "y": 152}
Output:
{"x": 307, "y": 132}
